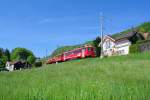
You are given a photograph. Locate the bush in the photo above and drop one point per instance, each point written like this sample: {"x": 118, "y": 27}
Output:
{"x": 38, "y": 64}
{"x": 134, "y": 48}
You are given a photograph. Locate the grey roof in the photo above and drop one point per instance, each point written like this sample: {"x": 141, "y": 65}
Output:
{"x": 122, "y": 36}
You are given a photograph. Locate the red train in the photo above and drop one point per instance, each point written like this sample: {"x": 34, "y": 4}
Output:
{"x": 82, "y": 52}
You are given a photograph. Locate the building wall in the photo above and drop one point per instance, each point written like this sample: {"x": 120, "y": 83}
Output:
{"x": 123, "y": 50}
{"x": 111, "y": 47}
{"x": 123, "y": 47}
{"x": 108, "y": 47}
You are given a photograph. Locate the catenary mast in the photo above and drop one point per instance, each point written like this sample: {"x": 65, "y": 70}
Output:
{"x": 101, "y": 31}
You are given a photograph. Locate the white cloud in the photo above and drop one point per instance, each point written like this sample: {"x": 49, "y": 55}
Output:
{"x": 63, "y": 19}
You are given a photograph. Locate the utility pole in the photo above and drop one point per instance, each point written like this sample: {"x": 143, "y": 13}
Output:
{"x": 101, "y": 31}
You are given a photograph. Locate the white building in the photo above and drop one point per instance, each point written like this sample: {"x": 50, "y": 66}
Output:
{"x": 120, "y": 44}
{"x": 9, "y": 66}
{"x": 113, "y": 46}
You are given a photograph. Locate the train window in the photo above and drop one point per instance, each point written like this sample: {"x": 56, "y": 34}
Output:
{"x": 73, "y": 52}
{"x": 68, "y": 53}
{"x": 77, "y": 51}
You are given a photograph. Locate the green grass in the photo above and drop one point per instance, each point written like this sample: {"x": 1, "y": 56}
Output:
{"x": 114, "y": 78}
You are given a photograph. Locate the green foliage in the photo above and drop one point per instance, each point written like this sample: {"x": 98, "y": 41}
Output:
{"x": 1, "y": 52}
{"x": 38, "y": 64}
{"x": 7, "y": 54}
{"x": 4, "y": 56}
{"x": 144, "y": 27}
{"x": 96, "y": 43}
{"x": 3, "y": 61}
{"x": 22, "y": 54}
{"x": 114, "y": 78}
{"x": 31, "y": 59}
{"x": 89, "y": 43}
{"x": 134, "y": 48}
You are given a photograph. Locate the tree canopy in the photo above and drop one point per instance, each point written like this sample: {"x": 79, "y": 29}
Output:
{"x": 4, "y": 56}
{"x": 96, "y": 44}
{"x": 22, "y": 54}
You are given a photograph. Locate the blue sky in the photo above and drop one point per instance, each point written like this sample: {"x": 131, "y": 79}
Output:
{"x": 46, "y": 24}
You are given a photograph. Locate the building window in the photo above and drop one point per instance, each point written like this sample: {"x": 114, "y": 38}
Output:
{"x": 108, "y": 44}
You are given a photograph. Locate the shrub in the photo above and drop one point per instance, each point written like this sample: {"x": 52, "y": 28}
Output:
{"x": 134, "y": 48}
{"x": 38, "y": 64}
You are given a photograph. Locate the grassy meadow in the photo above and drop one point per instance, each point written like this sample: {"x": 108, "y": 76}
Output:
{"x": 114, "y": 78}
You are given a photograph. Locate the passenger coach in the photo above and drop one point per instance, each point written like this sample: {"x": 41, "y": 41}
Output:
{"x": 78, "y": 53}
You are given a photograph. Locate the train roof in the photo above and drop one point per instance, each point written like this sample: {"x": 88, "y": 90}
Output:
{"x": 85, "y": 46}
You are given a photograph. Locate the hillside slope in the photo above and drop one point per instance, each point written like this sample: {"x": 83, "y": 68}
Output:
{"x": 114, "y": 78}
{"x": 144, "y": 27}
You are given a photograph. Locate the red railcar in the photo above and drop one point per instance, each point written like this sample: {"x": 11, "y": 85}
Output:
{"x": 58, "y": 58}
{"x": 82, "y": 52}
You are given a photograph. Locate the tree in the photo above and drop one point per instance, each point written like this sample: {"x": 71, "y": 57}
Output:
{"x": 22, "y": 54}
{"x": 1, "y": 52}
{"x": 3, "y": 58}
{"x": 31, "y": 59}
{"x": 96, "y": 44}
{"x": 7, "y": 54}
{"x": 136, "y": 37}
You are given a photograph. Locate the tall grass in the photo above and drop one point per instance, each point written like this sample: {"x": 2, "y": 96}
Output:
{"x": 114, "y": 78}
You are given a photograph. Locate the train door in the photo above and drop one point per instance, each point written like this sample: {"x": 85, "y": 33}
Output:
{"x": 83, "y": 52}
{"x": 64, "y": 57}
